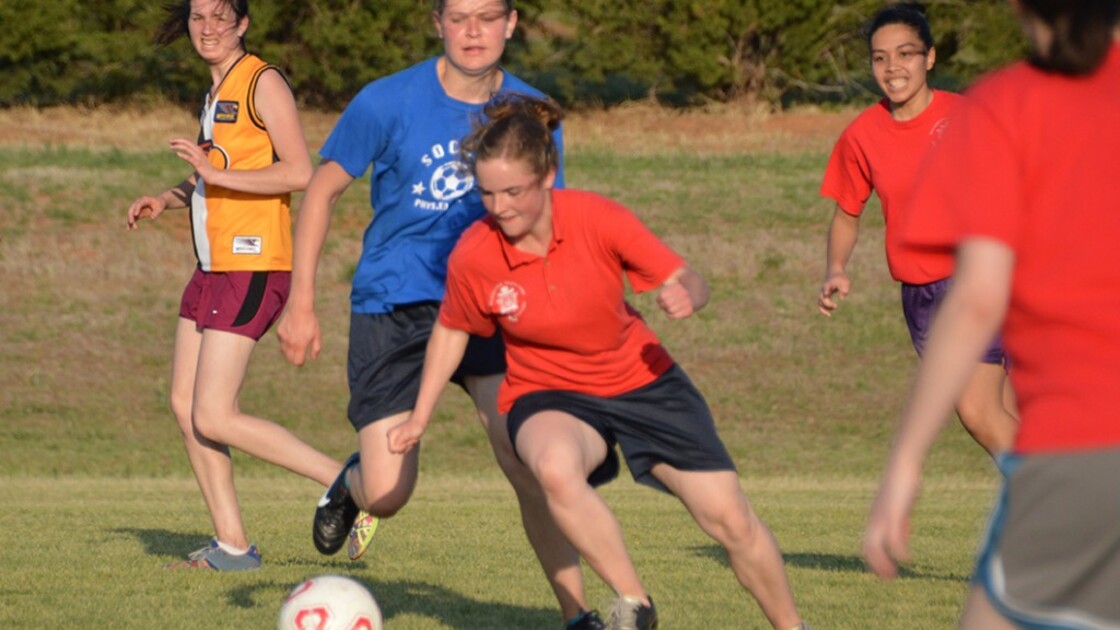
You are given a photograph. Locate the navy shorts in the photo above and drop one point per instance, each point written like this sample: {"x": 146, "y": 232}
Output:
{"x": 919, "y": 304}
{"x": 667, "y": 421}
{"x": 386, "y": 359}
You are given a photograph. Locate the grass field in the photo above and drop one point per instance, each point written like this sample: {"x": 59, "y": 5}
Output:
{"x": 97, "y": 494}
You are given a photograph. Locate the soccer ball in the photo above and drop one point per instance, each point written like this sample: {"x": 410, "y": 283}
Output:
{"x": 451, "y": 181}
{"x": 330, "y": 602}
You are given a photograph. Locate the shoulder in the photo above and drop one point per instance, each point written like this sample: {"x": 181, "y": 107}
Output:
{"x": 512, "y": 83}
{"x": 392, "y": 91}
{"x": 477, "y": 243}
{"x": 869, "y": 120}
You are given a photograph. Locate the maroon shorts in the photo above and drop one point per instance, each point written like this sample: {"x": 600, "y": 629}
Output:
{"x": 245, "y": 303}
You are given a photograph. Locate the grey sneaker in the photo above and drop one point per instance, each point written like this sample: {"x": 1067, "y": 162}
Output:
{"x": 586, "y": 620}
{"x": 215, "y": 558}
{"x": 631, "y": 614}
{"x": 199, "y": 554}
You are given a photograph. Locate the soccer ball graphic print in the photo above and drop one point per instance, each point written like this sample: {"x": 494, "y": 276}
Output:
{"x": 451, "y": 181}
{"x": 330, "y": 602}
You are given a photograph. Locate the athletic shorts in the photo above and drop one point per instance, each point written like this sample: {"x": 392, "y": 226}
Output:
{"x": 386, "y": 359}
{"x": 1051, "y": 558}
{"x": 667, "y": 421}
{"x": 920, "y": 302}
{"x": 245, "y": 303}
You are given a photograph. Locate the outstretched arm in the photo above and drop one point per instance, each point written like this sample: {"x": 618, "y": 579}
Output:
{"x": 298, "y": 329}
{"x": 965, "y": 323}
{"x": 842, "y": 237}
{"x": 444, "y": 352}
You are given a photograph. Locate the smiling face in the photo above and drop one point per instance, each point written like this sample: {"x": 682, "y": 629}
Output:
{"x": 900, "y": 62}
{"x": 474, "y": 33}
{"x": 216, "y": 31}
{"x": 518, "y": 199}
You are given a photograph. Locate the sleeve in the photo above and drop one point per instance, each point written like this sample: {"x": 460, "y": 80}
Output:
{"x": 360, "y": 135}
{"x": 646, "y": 260}
{"x": 847, "y": 178}
{"x": 461, "y": 308}
{"x": 972, "y": 184}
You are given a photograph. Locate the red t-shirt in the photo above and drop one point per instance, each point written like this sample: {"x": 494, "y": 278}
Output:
{"x": 1031, "y": 161}
{"x": 564, "y": 316}
{"x": 877, "y": 152}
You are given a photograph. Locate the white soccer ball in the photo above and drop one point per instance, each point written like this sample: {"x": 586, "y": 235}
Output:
{"x": 330, "y": 602}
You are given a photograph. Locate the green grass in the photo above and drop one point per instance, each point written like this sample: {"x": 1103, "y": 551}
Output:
{"x": 98, "y": 494}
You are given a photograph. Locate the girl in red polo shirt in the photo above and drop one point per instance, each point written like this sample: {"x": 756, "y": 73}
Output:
{"x": 1027, "y": 179}
{"x": 882, "y": 150}
{"x": 547, "y": 269}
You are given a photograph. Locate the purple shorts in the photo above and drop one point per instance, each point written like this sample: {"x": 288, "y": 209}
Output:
{"x": 920, "y": 302}
{"x": 245, "y": 303}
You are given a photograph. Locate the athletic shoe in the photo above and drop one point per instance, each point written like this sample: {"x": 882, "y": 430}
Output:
{"x": 198, "y": 554}
{"x": 215, "y": 558}
{"x": 335, "y": 513}
{"x": 360, "y": 535}
{"x": 586, "y": 620}
{"x": 631, "y": 614}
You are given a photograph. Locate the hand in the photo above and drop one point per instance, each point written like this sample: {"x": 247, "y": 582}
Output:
{"x": 298, "y": 331}
{"x": 833, "y": 291}
{"x": 406, "y": 435}
{"x": 145, "y": 208}
{"x": 195, "y": 156}
{"x": 885, "y": 543}
{"x": 674, "y": 300}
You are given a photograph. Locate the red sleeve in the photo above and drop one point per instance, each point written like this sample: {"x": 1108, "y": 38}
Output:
{"x": 462, "y": 308}
{"x": 647, "y": 261}
{"x": 847, "y": 178}
{"x": 970, "y": 185}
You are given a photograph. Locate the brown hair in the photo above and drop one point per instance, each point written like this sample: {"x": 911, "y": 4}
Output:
{"x": 1082, "y": 33}
{"x": 439, "y": 5}
{"x": 516, "y": 127}
{"x": 175, "y": 25}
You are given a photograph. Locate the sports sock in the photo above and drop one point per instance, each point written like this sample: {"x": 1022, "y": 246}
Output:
{"x": 231, "y": 550}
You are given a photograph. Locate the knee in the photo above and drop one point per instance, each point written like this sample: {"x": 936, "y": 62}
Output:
{"x": 207, "y": 424}
{"x": 557, "y": 478}
{"x": 382, "y": 502}
{"x": 734, "y": 525}
{"x": 182, "y": 409}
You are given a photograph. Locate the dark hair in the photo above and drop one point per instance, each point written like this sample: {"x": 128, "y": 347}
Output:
{"x": 516, "y": 127}
{"x": 1082, "y": 33}
{"x": 912, "y": 14}
{"x": 439, "y": 5}
{"x": 178, "y": 18}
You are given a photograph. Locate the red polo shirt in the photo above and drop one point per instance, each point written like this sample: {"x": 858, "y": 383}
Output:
{"x": 564, "y": 316}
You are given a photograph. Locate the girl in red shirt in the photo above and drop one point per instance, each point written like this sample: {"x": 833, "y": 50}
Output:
{"x": 586, "y": 373}
{"x": 1026, "y": 176}
{"x": 883, "y": 150}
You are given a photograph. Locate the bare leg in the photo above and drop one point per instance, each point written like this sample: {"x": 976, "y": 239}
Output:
{"x": 980, "y": 615}
{"x": 384, "y": 481}
{"x": 722, "y": 510}
{"x": 561, "y": 452}
{"x": 556, "y": 555}
{"x": 210, "y": 461}
{"x": 982, "y": 409}
{"x": 222, "y": 362}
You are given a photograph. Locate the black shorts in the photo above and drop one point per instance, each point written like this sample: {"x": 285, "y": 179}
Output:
{"x": 667, "y": 421}
{"x": 386, "y": 359}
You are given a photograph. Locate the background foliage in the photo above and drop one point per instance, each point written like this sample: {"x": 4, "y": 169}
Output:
{"x": 585, "y": 52}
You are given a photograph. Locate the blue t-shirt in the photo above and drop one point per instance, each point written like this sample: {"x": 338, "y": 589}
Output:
{"x": 409, "y": 129}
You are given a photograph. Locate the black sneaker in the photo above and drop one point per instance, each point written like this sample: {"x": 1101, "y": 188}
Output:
{"x": 631, "y": 614}
{"x": 335, "y": 513}
{"x": 586, "y": 620}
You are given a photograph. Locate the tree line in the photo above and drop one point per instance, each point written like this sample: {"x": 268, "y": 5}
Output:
{"x": 583, "y": 52}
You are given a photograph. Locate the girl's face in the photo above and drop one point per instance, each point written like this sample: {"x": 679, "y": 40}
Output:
{"x": 517, "y": 198}
{"x": 900, "y": 62}
{"x": 215, "y": 30}
{"x": 474, "y": 33}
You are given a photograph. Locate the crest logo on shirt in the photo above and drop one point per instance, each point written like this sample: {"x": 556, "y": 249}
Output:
{"x": 507, "y": 300}
{"x": 226, "y": 111}
{"x": 938, "y": 130}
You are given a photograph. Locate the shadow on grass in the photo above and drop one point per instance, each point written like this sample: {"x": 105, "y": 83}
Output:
{"x": 450, "y": 608}
{"x": 832, "y": 562}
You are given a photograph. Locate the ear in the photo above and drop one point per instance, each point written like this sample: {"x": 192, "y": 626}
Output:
{"x": 511, "y": 23}
{"x": 438, "y": 25}
{"x": 549, "y": 180}
{"x": 931, "y": 59}
{"x": 243, "y": 27}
